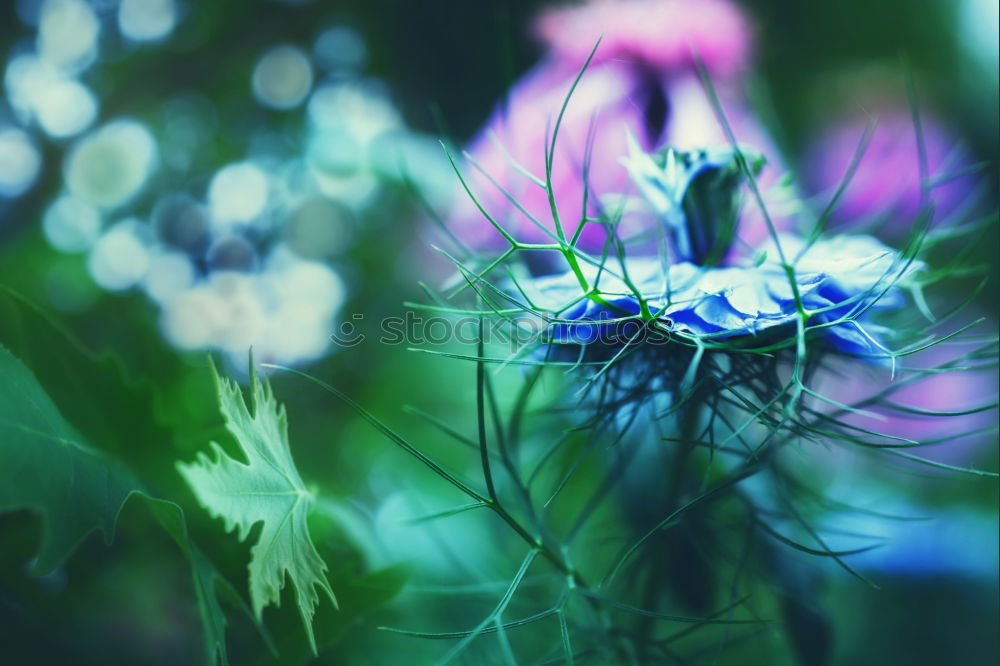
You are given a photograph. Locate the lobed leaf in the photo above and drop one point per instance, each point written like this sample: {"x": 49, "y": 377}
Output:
{"x": 266, "y": 489}
{"x": 46, "y": 466}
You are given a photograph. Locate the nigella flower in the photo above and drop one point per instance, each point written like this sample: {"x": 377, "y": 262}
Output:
{"x": 641, "y": 81}
{"x": 839, "y": 281}
{"x": 832, "y": 289}
{"x": 696, "y": 193}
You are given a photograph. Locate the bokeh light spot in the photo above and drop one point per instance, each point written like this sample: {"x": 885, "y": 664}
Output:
{"x": 181, "y": 222}
{"x": 363, "y": 109}
{"x": 19, "y": 162}
{"x": 38, "y": 90}
{"x": 191, "y": 319}
{"x": 169, "y": 274}
{"x": 335, "y": 152}
{"x": 282, "y": 78}
{"x": 71, "y": 224}
{"x": 308, "y": 295}
{"x": 110, "y": 165}
{"x": 340, "y": 49}
{"x": 65, "y": 108}
{"x": 319, "y": 228}
{"x": 146, "y": 20}
{"x": 120, "y": 258}
{"x": 238, "y": 193}
{"x": 232, "y": 253}
{"x": 67, "y": 34}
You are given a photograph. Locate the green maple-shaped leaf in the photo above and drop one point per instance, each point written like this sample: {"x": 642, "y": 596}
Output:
{"x": 266, "y": 489}
{"x": 48, "y": 467}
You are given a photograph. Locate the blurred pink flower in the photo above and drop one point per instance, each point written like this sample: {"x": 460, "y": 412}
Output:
{"x": 641, "y": 81}
{"x": 886, "y": 188}
{"x": 662, "y": 35}
{"x": 957, "y": 390}
{"x": 886, "y": 184}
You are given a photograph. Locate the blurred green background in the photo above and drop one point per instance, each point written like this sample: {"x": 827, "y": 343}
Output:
{"x": 442, "y": 67}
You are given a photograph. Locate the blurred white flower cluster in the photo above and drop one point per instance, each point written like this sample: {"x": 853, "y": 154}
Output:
{"x": 235, "y": 253}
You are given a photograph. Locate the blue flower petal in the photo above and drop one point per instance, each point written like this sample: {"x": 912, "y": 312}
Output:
{"x": 836, "y": 277}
